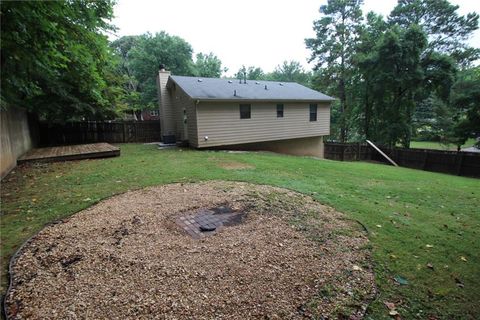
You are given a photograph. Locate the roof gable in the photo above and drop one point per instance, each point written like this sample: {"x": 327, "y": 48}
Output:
{"x": 232, "y": 89}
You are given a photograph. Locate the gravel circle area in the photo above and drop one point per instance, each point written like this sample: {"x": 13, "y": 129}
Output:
{"x": 126, "y": 258}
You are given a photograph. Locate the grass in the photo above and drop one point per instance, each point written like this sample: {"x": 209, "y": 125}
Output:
{"x": 414, "y": 217}
{"x": 437, "y": 145}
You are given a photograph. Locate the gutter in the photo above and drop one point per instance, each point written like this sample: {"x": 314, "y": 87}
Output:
{"x": 200, "y": 99}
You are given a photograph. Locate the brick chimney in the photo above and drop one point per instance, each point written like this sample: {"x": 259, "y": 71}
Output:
{"x": 167, "y": 120}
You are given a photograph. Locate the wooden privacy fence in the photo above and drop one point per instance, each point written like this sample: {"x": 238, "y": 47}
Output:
{"x": 451, "y": 162}
{"x": 55, "y": 134}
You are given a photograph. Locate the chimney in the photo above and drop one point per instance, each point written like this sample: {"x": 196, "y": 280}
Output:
{"x": 167, "y": 124}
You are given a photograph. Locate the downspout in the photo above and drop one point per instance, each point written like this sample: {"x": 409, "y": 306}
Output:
{"x": 197, "y": 102}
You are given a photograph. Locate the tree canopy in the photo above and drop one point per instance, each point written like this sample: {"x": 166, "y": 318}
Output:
{"x": 55, "y": 58}
{"x": 208, "y": 65}
{"x": 288, "y": 71}
{"x": 333, "y": 50}
{"x": 397, "y": 77}
{"x": 406, "y": 75}
{"x": 152, "y": 50}
{"x": 141, "y": 57}
{"x": 465, "y": 100}
{"x": 291, "y": 71}
{"x": 446, "y": 29}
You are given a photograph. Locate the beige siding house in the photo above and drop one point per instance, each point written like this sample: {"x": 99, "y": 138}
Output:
{"x": 248, "y": 115}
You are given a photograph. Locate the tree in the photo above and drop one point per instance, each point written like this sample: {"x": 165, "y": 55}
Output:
{"x": 398, "y": 76}
{"x": 208, "y": 65}
{"x": 252, "y": 73}
{"x": 370, "y": 35}
{"x": 140, "y": 59}
{"x": 148, "y": 53}
{"x": 446, "y": 29}
{"x": 333, "y": 50}
{"x": 130, "y": 100}
{"x": 433, "y": 120}
{"x": 465, "y": 100}
{"x": 290, "y": 71}
{"x": 55, "y": 58}
{"x": 122, "y": 48}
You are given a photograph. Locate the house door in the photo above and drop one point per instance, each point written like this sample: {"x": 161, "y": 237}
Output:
{"x": 185, "y": 125}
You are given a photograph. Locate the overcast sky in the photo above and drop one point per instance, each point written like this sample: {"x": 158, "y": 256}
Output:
{"x": 261, "y": 33}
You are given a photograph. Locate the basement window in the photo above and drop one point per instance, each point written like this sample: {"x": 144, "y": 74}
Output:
{"x": 154, "y": 113}
{"x": 280, "y": 110}
{"x": 313, "y": 112}
{"x": 245, "y": 111}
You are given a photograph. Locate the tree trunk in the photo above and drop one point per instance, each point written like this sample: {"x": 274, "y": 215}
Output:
{"x": 367, "y": 113}
{"x": 342, "y": 111}
{"x": 343, "y": 95}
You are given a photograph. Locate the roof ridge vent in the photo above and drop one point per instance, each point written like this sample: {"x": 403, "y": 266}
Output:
{"x": 256, "y": 82}
{"x": 230, "y": 81}
{"x": 200, "y": 80}
{"x": 281, "y": 84}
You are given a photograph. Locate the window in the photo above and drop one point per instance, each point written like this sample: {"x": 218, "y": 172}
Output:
{"x": 154, "y": 113}
{"x": 245, "y": 111}
{"x": 279, "y": 110}
{"x": 313, "y": 112}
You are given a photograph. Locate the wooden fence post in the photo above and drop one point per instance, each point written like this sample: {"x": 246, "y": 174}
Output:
{"x": 124, "y": 133}
{"x": 425, "y": 160}
{"x": 135, "y": 130}
{"x": 459, "y": 163}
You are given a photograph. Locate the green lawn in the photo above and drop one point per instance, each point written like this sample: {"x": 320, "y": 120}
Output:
{"x": 439, "y": 146}
{"x": 425, "y": 217}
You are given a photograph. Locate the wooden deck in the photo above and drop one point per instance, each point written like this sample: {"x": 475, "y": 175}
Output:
{"x": 66, "y": 153}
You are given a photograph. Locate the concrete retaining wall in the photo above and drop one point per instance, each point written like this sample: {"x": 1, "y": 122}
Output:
{"x": 15, "y": 138}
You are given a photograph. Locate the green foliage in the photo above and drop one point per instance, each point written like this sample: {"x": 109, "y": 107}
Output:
{"x": 397, "y": 74}
{"x": 208, "y": 65}
{"x": 447, "y": 30}
{"x": 454, "y": 118}
{"x": 363, "y": 84}
{"x": 333, "y": 52}
{"x": 433, "y": 120}
{"x": 414, "y": 208}
{"x": 465, "y": 101}
{"x": 55, "y": 59}
{"x": 439, "y": 75}
{"x": 130, "y": 100}
{"x": 290, "y": 71}
{"x": 141, "y": 57}
{"x": 440, "y": 145}
{"x": 252, "y": 73}
{"x": 146, "y": 55}
{"x": 393, "y": 78}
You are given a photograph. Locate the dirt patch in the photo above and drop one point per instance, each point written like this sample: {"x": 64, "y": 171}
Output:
{"x": 234, "y": 165}
{"x": 126, "y": 257}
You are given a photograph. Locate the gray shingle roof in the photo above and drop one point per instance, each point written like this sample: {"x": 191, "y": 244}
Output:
{"x": 224, "y": 89}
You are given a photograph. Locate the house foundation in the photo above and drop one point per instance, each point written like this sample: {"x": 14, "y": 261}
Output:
{"x": 311, "y": 146}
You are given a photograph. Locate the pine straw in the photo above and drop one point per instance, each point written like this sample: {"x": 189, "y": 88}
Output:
{"x": 126, "y": 258}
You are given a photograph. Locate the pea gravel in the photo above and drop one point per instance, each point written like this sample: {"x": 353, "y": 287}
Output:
{"x": 126, "y": 258}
